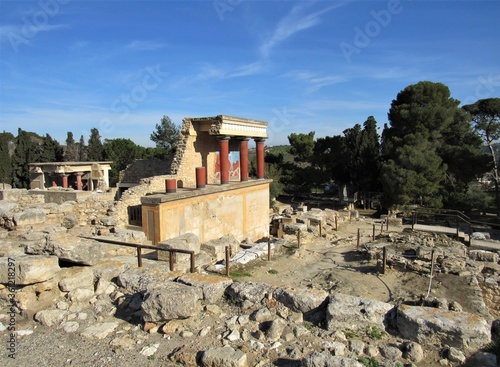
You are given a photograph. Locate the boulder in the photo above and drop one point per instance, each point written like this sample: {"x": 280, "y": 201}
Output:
{"x": 481, "y": 255}
{"x": 170, "y": 301}
{"x": 68, "y": 248}
{"x": 187, "y": 241}
{"x": 217, "y": 248}
{"x": 350, "y": 312}
{"x": 223, "y": 357}
{"x": 76, "y": 277}
{"x": 212, "y": 287}
{"x": 100, "y": 331}
{"x": 138, "y": 279}
{"x": 432, "y": 326}
{"x": 28, "y": 269}
{"x": 30, "y": 216}
{"x": 50, "y": 317}
{"x": 302, "y": 300}
{"x": 317, "y": 359}
{"x": 293, "y": 228}
{"x": 248, "y": 293}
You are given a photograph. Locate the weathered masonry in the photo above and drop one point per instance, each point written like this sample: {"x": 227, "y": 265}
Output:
{"x": 86, "y": 176}
{"x": 209, "y": 191}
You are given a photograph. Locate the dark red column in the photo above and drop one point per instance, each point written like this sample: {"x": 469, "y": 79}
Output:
{"x": 244, "y": 159}
{"x": 65, "y": 180}
{"x": 79, "y": 185}
{"x": 201, "y": 177}
{"x": 260, "y": 157}
{"x": 170, "y": 185}
{"x": 224, "y": 160}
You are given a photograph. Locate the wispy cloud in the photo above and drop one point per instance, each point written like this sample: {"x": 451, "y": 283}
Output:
{"x": 295, "y": 21}
{"x": 145, "y": 45}
{"x": 210, "y": 71}
{"x": 315, "y": 81}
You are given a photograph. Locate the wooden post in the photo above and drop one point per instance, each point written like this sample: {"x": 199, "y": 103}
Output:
{"x": 387, "y": 224}
{"x": 470, "y": 235}
{"x": 336, "y": 224}
{"x": 320, "y": 229}
{"x": 171, "y": 260}
{"x": 373, "y": 235}
{"x": 269, "y": 248}
{"x": 357, "y": 242}
{"x": 381, "y": 227}
{"x": 384, "y": 260}
{"x": 414, "y": 220}
{"x": 192, "y": 261}
{"x": 227, "y": 261}
{"x": 298, "y": 238}
{"x": 139, "y": 257}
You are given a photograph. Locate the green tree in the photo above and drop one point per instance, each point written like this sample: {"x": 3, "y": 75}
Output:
{"x": 51, "y": 150}
{"x": 5, "y": 162}
{"x": 303, "y": 172}
{"x": 95, "y": 148}
{"x": 369, "y": 153}
{"x": 121, "y": 152}
{"x": 485, "y": 114}
{"x": 414, "y": 168}
{"x": 27, "y": 150}
{"x": 302, "y": 146}
{"x": 166, "y": 136}
{"x": 82, "y": 150}
{"x": 71, "y": 153}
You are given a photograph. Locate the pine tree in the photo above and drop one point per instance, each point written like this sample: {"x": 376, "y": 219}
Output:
{"x": 95, "y": 150}
{"x": 71, "y": 152}
{"x": 82, "y": 150}
{"x": 5, "y": 161}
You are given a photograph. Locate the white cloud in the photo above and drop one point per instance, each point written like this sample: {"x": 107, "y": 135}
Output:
{"x": 295, "y": 21}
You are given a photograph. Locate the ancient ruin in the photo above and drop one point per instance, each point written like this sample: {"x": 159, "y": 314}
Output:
{"x": 193, "y": 268}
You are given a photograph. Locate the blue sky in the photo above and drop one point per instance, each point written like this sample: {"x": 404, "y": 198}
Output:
{"x": 323, "y": 66}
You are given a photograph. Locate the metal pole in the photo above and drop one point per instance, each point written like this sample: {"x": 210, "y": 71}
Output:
{"x": 171, "y": 260}
{"x": 269, "y": 248}
{"x": 139, "y": 257}
{"x": 227, "y": 261}
{"x": 384, "y": 260}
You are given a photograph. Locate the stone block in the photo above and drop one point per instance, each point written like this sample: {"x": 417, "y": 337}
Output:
{"x": 170, "y": 301}
{"x": 350, "y": 312}
{"x": 212, "y": 287}
{"x": 188, "y": 241}
{"x": 432, "y": 326}
{"x": 29, "y": 269}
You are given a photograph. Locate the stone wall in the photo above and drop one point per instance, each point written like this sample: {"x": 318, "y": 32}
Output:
{"x": 196, "y": 149}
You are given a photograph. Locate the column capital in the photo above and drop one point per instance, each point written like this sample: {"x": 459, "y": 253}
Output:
{"x": 244, "y": 138}
{"x": 259, "y": 140}
{"x": 223, "y": 138}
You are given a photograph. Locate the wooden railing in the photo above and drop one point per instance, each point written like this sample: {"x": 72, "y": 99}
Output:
{"x": 140, "y": 247}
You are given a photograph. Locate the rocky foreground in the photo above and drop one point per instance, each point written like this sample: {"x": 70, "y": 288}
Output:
{"x": 71, "y": 301}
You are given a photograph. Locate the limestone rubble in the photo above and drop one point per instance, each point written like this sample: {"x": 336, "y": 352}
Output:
{"x": 93, "y": 291}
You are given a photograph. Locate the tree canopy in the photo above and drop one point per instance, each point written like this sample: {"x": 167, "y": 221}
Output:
{"x": 166, "y": 136}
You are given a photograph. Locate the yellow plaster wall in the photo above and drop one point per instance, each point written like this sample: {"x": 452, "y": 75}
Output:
{"x": 242, "y": 212}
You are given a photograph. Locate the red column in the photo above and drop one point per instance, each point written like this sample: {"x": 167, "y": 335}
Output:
{"x": 65, "y": 180}
{"x": 79, "y": 185}
{"x": 260, "y": 158}
{"x": 224, "y": 160}
{"x": 244, "y": 159}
